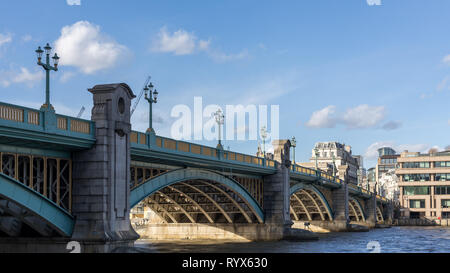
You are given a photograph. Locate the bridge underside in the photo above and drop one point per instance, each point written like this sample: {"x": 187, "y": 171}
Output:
{"x": 199, "y": 201}
{"x": 307, "y": 205}
{"x": 355, "y": 211}
{"x": 17, "y": 221}
{"x": 24, "y": 212}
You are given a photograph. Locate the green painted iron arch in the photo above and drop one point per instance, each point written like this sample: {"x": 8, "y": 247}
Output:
{"x": 300, "y": 186}
{"x": 176, "y": 176}
{"x": 40, "y": 206}
{"x": 359, "y": 207}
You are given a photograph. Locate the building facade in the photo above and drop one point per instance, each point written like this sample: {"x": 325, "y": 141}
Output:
{"x": 387, "y": 160}
{"x": 339, "y": 157}
{"x": 371, "y": 179}
{"x": 424, "y": 181}
{"x": 389, "y": 186}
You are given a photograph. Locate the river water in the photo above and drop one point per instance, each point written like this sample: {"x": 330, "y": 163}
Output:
{"x": 388, "y": 240}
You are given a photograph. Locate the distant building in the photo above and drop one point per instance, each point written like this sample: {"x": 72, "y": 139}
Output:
{"x": 387, "y": 160}
{"x": 424, "y": 181}
{"x": 371, "y": 179}
{"x": 337, "y": 158}
{"x": 260, "y": 153}
{"x": 362, "y": 173}
{"x": 389, "y": 186}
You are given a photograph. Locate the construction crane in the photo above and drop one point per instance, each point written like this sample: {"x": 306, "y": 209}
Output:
{"x": 81, "y": 112}
{"x": 140, "y": 95}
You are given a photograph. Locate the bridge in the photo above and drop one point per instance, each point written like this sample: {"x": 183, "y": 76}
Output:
{"x": 67, "y": 179}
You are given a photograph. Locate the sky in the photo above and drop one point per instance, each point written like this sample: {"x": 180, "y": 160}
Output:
{"x": 367, "y": 73}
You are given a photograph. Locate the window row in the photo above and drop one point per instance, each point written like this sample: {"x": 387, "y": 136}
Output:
{"x": 445, "y": 203}
{"x": 426, "y": 177}
{"x": 442, "y": 177}
{"x": 442, "y": 190}
{"x": 415, "y": 165}
{"x": 416, "y": 190}
{"x": 420, "y": 204}
{"x": 442, "y": 164}
{"x": 388, "y": 160}
{"x": 416, "y": 177}
{"x": 417, "y": 204}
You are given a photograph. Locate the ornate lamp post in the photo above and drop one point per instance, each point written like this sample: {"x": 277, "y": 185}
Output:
{"x": 47, "y": 67}
{"x": 294, "y": 144}
{"x": 152, "y": 97}
{"x": 220, "y": 119}
{"x": 316, "y": 153}
{"x": 264, "y": 136}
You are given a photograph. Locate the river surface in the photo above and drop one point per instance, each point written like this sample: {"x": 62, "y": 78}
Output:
{"x": 389, "y": 240}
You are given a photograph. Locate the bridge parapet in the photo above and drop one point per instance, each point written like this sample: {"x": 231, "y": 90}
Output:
{"x": 144, "y": 141}
{"x": 22, "y": 123}
{"x": 304, "y": 173}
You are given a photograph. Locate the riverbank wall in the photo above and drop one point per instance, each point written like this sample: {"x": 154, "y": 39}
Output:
{"x": 421, "y": 222}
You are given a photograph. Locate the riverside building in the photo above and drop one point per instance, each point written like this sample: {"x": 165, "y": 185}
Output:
{"x": 424, "y": 181}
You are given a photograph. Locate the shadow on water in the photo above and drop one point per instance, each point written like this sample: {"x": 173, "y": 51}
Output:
{"x": 391, "y": 240}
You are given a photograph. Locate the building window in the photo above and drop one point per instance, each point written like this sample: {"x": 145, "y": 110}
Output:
{"x": 443, "y": 177}
{"x": 442, "y": 190}
{"x": 442, "y": 164}
{"x": 415, "y": 165}
{"x": 416, "y": 177}
{"x": 445, "y": 203}
{"x": 416, "y": 190}
{"x": 417, "y": 204}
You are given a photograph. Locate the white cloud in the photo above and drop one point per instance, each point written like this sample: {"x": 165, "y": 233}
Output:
{"x": 221, "y": 57}
{"x": 22, "y": 76}
{"x": 74, "y": 2}
{"x": 372, "y": 150}
{"x": 446, "y": 59}
{"x": 373, "y": 2}
{"x": 83, "y": 45}
{"x": 180, "y": 42}
{"x": 5, "y": 38}
{"x": 323, "y": 118}
{"x": 27, "y": 38}
{"x": 359, "y": 117}
{"x": 363, "y": 116}
{"x": 66, "y": 75}
{"x": 444, "y": 84}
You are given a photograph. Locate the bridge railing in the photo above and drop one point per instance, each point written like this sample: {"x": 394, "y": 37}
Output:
{"x": 315, "y": 173}
{"x": 142, "y": 140}
{"x": 75, "y": 125}
{"x": 33, "y": 119}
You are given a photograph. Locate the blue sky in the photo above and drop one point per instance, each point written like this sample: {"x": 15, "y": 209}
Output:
{"x": 366, "y": 75}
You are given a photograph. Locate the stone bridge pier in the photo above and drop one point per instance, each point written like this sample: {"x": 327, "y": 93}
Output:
{"x": 101, "y": 175}
{"x": 276, "y": 194}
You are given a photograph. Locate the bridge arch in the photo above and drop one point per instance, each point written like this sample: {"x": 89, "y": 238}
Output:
{"x": 308, "y": 203}
{"x": 380, "y": 217}
{"x": 23, "y": 208}
{"x": 356, "y": 212}
{"x": 197, "y": 196}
